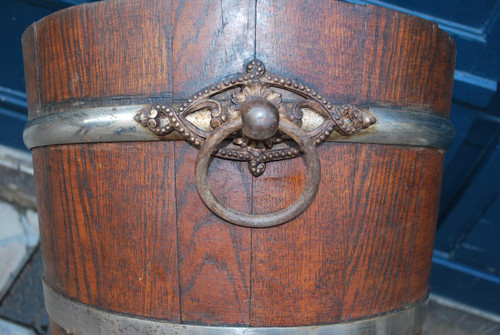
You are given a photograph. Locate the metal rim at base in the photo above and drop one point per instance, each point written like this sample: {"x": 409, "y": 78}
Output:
{"x": 79, "y": 319}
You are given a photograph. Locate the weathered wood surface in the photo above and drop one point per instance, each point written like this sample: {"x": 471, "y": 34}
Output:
{"x": 146, "y": 50}
{"x": 122, "y": 226}
{"x": 136, "y": 238}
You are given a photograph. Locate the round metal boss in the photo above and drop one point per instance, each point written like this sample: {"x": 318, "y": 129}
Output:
{"x": 260, "y": 119}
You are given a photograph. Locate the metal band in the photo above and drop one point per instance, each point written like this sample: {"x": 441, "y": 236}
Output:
{"x": 79, "y": 319}
{"x": 117, "y": 124}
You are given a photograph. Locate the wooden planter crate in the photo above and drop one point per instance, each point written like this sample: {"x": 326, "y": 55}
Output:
{"x": 125, "y": 95}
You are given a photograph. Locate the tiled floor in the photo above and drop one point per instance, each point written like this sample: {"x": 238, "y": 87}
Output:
{"x": 18, "y": 237}
{"x": 443, "y": 320}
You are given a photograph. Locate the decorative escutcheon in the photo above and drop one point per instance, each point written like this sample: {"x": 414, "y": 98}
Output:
{"x": 253, "y": 117}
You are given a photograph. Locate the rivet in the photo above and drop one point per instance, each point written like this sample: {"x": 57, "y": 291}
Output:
{"x": 186, "y": 134}
{"x": 181, "y": 109}
{"x": 153, "y": 113}
{"x": 181, "y": 130}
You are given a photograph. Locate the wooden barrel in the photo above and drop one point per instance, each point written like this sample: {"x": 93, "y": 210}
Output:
{"x": 129, "y": 99}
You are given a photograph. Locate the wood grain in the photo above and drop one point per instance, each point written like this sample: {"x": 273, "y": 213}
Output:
{"x": 358, "y": 54}
{"x": 214, "y": 255}
{"x": 324, "y": 51}
{"x": 143, "y": 29}
{"x": 62, "y": 58}
{"x": 381, "y": 231}
{"x": 362, "y": 248}
{"x": 356, "y": 249}
{"x": 426, "y": 217}
{"x": 208, "y": 47}
{"x": 80, "y": 51}
{"x": 407, "y": 61}
{"x": 99, "y": 213}
{"x": 296, "y": 266}
{"x": 122, "y": 225}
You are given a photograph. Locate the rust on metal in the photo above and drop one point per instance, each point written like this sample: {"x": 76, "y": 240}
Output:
{"x": 256, "y": 85}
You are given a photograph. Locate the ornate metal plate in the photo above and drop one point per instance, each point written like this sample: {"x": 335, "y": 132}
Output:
{"x": 224, "y": 101}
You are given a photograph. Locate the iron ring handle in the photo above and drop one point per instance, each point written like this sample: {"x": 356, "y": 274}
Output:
{"x": 258, "y": 220}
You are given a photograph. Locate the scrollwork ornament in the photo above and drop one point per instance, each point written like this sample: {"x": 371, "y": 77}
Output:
{"x": 255, "y": 83}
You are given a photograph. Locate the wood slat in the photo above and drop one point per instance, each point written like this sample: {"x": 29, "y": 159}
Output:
{"x": 297, "y": 267}
{"x": 358, "y": 54}
{"x": 214, "y": 255}
{"x": 143, "y": 29}
{"x": 426, "y": 218}
{"x": 382, "y": 229}
{"x": 62, "y": 54}
{"x": 323, "y": 51}
{"x": 362, "y": 248}
{"x": 407, "y": 61}
{"x": 103, "y": 202}
{"x": 209, "y": 47}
